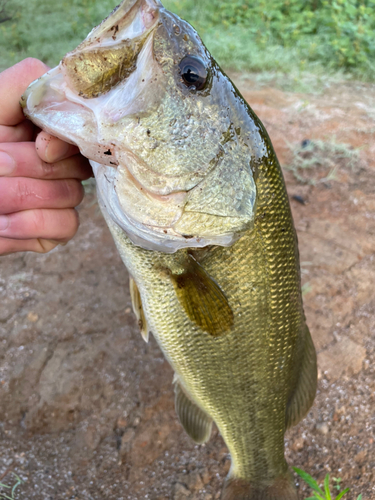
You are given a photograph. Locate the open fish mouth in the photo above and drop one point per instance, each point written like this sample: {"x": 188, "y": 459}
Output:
{"x": 98, "y": 82}
{"x": 154, "y": 141}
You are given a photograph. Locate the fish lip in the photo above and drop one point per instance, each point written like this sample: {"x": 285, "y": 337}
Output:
{"x": 120, "y": 12}
{"x": 61, "y": 90}
{"x": 110, "y": 52}
{"x": 98, "y": 35}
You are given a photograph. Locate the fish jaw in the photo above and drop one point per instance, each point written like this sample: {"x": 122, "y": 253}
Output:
{"x": 60, "y": 102}
{"x": 120, "y": 98}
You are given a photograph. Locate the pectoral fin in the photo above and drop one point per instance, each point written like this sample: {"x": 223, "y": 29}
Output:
{"x": 195, "y": 421}
{"x": 202, "y": 299}
{"x": 138, "y": 309}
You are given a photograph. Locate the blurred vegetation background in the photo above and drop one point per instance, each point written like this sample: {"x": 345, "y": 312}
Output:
{"x": 319, "y": 36}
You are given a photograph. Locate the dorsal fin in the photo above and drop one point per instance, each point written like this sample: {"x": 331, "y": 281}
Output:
{"x": 138, "y": 309}
{"x": 195, "y": 421}
{"x": 202, "y": 299}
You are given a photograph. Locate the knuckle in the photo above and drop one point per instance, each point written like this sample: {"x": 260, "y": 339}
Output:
{"x": 45, "y": 246}
{"x": 47, "y": 170}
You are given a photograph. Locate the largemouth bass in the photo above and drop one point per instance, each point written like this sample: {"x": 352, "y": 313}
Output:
{"x": 193, "y": 194}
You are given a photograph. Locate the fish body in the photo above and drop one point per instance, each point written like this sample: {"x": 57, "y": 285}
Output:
{"x": 193, "y": 194}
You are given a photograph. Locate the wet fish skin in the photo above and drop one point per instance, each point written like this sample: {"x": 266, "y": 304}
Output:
{"x": 217, "y": 282}
{"x": 245, "y": 379}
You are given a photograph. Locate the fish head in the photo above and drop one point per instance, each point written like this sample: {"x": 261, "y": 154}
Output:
{"x": 173, "y": 145}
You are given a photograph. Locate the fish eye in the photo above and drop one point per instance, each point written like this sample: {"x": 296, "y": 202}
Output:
{"x": 193, "y": 72}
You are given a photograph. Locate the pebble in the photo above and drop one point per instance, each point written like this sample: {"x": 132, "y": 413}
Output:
{"x": 322, "y": 428}
{"x": 206, "y": 476}
{"x": 194, "y": 481}
{"x": 32, "y": 317}
{"x": 180, "y": 492}
{"x": 298, "y": 444}
{"x": 361, "y": 457}
{"x": 126, "y": 441}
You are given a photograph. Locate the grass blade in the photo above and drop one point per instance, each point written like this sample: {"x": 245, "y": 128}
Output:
{"x": 326, "y": 488}
{"x": 15, "y": 487}
{"x": 342, "y": 493}
{"x": 359, "y": 496}
{"x": 309, "y": 480}
{"x": 19, "y": 481}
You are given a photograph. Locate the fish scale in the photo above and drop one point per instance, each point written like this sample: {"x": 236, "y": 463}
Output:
{"x": 194, "y": 196}
{"x": 266, "y": 329}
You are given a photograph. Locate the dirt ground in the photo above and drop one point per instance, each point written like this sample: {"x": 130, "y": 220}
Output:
{"x": 86, "y": 406}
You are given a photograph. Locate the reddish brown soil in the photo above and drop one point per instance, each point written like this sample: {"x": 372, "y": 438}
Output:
{"x": 86, "y": 407}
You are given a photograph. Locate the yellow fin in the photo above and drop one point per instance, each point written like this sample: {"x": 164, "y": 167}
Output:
{"x": 304, "y": 393}
{"x": 195, "y": 421}
{"x": 138, "y": 309}
{"x": 202, "y": 299}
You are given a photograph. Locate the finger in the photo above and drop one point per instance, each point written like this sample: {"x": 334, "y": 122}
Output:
{"x": 52, "y": 149}
{"x": 20, "y": 193}
{"x": 20, "y": 133}
{"x": 59, "y": 225}
{"x": 22, "y": 160}
{"x": 8, "y": 246}
{"x": 13, "y": 83}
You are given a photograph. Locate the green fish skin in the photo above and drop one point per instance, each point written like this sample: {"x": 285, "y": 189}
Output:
{"x": 194, "y": 197}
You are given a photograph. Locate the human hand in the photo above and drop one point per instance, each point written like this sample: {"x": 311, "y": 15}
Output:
{"x": 40, "y": 182}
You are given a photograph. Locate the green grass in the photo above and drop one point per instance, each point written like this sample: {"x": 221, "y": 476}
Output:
{"x": 10, "y": 489}
{"x": 47, "y": 30}
{"x": 325, "y": 493}
{"x": 242, "y": 35}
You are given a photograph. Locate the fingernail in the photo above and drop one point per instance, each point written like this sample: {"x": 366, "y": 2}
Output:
{"x": 7, "y": 164}
{"x": 4, "y": 222}
{"x": 56, "y": 149}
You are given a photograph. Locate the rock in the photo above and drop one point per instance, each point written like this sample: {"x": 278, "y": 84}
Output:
{"x": 360, "y": 458}
{"x": 322, "y": 428}
{"x": 342, "y": 357}
{"x": 194, "y": 481}
{"x": 180, "y": 492}
{"x": 121, "y": 423}
{"x": 298, "y": 444}
{"x": 32, "y": 317}
{"x": 126, "y": 441}
{"x": 206, "y": 477}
